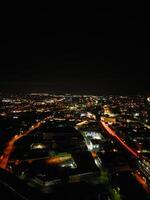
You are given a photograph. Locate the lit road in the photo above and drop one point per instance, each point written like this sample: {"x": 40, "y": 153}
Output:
{"x": 142, "y": 165}
{"x": 4, "y": 159}
{"x": 142, "y": 181}
{"x": 113, "y": 133}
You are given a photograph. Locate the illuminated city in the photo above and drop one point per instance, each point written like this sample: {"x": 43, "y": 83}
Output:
{"x": 57, "y": 145}
{"x": 74, "y": 102}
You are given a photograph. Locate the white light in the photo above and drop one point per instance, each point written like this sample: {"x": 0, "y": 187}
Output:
{"x": 15, "y": 117}
{"x": 148, "y": 99}
{"x": 37, "y": 146}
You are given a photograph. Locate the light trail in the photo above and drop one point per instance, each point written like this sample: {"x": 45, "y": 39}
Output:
{"x": 142, "y": 181}
{"x": 113, "y": 133}
{"x": 4, "y": 159}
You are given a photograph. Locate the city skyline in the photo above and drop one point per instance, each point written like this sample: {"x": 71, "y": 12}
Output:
{"x": 74, "y": 146}
{"x": 74, "y": 103}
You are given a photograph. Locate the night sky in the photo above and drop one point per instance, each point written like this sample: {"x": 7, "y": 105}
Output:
{"x": 75, "y": 50}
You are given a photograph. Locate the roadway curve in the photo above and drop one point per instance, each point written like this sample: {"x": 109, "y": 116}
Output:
{"x": 10, "y": 145}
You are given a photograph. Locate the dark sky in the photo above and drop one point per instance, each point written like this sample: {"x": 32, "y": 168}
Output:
{"x": 77, "y": 50}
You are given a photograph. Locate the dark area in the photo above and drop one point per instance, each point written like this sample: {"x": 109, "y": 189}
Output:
{"x": 77, "y": 50}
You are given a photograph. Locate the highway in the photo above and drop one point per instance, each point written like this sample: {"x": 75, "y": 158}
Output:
{"x": 142, "y": 181}
{"x": 10, "y": 145}
{"x": 142, "y": 165}
{"x": 120, "y": 140}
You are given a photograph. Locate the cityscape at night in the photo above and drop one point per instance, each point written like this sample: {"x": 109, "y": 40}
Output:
{"x": 74, "y": 146}
{"x": 74, "y": 102}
